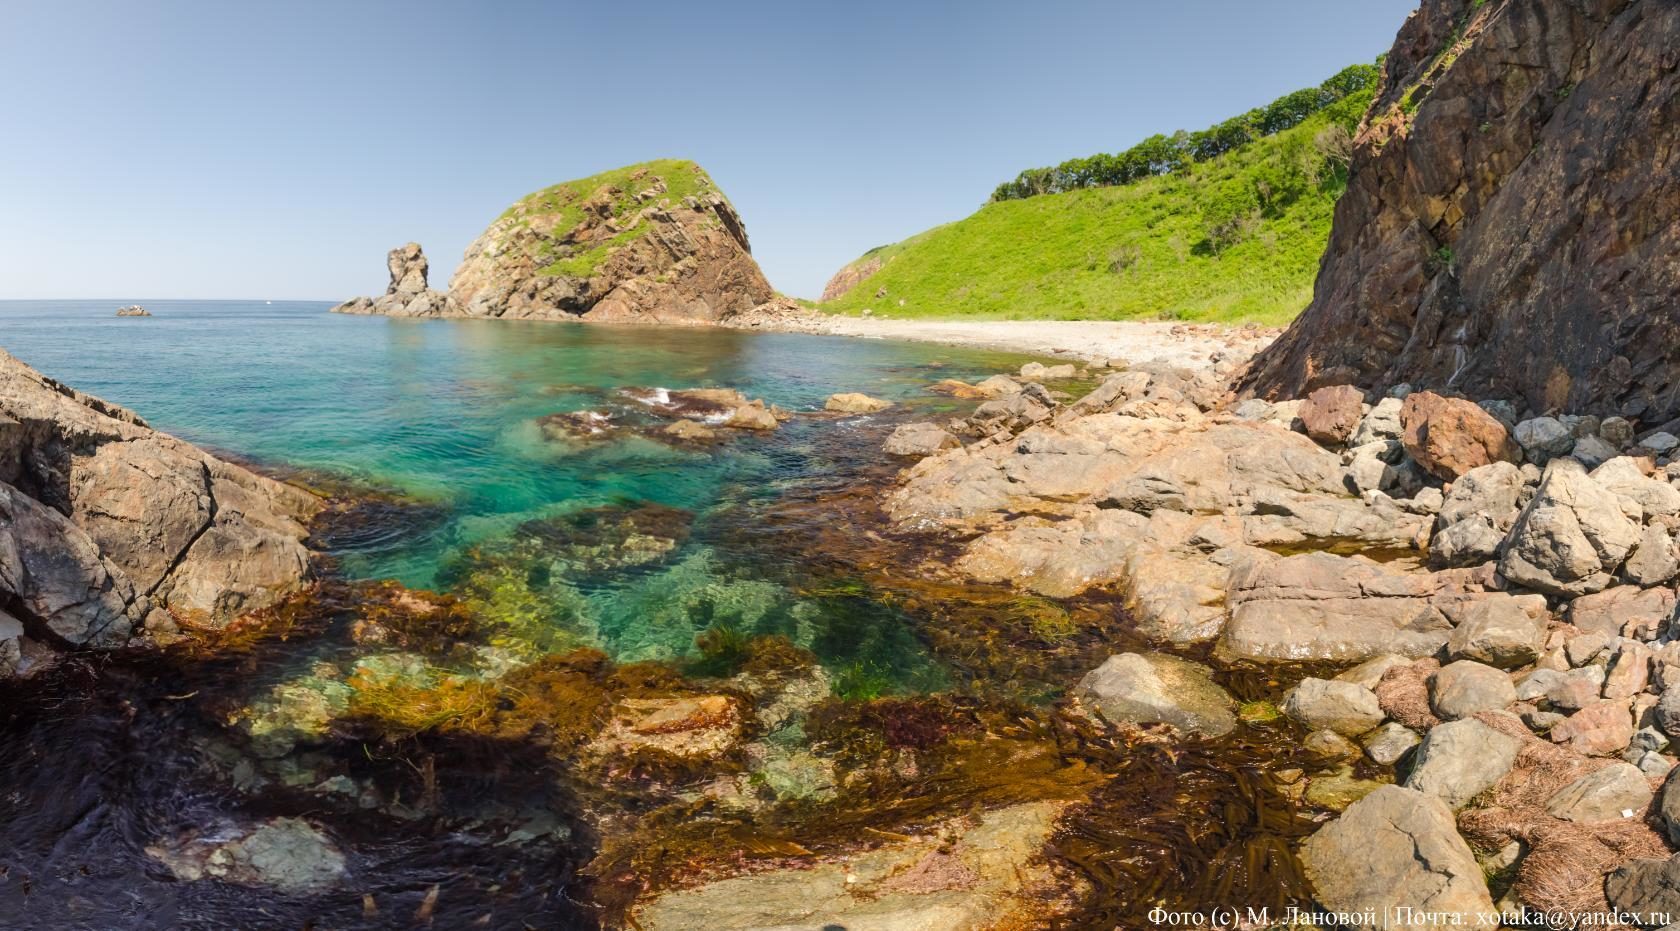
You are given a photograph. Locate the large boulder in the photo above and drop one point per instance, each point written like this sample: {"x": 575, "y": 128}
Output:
{"x": 1571, "y": 538}
{"x": 1613, "y": 793}
{"x": 106, "y": 524}
{"x": 1393, "y": 848}
{"x": 1460, "y": 759}
{"x": 1319, "y": 606}
{"x": 1623, "y": 610}
{"x": 1156, "y": 688}
{"x": 1331, "y": 415}
{"x": 852, "y": 402}
{"x": 1600, "y": 728}
{"x": 1629, "y": 478}
{"x": 1508, "y": 224}
{"x": 1461, "y": 689}
{"x": 1506, "y": 632}
{"x": 1343, "y": 707}
{"x": 1646, "y": 887}
{"x": 1451, "y": 436}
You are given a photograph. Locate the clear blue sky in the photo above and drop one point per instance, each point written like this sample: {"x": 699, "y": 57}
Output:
{"x": 277, "y": 150}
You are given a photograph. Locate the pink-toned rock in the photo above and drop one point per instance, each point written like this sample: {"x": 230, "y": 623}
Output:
{"x": 1330, "y": 415}
{"x": 1599, "y": 729}
{"x": 1630, "y": 671}
{"x": 1450, "y": 436}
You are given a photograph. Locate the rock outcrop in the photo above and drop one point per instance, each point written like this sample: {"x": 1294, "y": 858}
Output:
{"x": 851, "y": 276}
{"x": 408, "y": 294}
{"x": 1508, "y": 229}
{"x": 650, "y": 243}
{"x": 107, "y": 525}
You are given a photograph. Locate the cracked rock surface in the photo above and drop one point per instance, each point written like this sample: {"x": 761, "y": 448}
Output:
{"x": 107, "y": 525}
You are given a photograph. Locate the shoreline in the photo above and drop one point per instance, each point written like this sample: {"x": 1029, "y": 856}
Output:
{"x": 1198, "y": 346}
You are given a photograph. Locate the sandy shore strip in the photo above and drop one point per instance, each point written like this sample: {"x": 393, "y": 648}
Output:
{"x": 1136, "y": 342}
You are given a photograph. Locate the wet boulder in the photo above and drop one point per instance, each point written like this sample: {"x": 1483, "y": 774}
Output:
{"x": 1157, "y": 689}
{"x": 851, "y": 402}
{"x": 1388, "y": 744}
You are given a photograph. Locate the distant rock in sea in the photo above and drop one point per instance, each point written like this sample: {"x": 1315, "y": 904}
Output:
{"x": 133, "y": 310}
{"x": 650, "y": 243}
{"x": 408, "y": 294}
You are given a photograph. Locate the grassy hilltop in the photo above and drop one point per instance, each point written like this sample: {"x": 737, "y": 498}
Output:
{"x": 1234, "y": 237}
{"x": 560, "y": 207}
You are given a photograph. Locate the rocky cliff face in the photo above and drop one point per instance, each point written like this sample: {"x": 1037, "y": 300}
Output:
{"x": 655, "y": 242}
{"x": 650, "y": 243}
{"x": 1510, "y": 226}
{"x": 107, "y": 525}
{"x": 408, "y": 294}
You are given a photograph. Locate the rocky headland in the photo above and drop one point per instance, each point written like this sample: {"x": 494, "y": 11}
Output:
{"x": 651, "y": 243}
{"x": 111, "y": 531}
{"x": 1508, "y": 229}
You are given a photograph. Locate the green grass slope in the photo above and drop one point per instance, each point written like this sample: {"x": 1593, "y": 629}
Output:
{"x": 563, "y": 203}
{"x": 1235, "y": 238}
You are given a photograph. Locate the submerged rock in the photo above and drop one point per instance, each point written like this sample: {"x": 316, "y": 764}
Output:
{"x": 704, "y": 725}
{"x": 851, "y": 402}
{"x": 289, "y": 855}
{"x": 1157, "y": 689}
{"x": 984, "y": 872}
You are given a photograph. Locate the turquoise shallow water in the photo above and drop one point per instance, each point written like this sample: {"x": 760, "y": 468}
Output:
{"x": 446, "y": 411}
